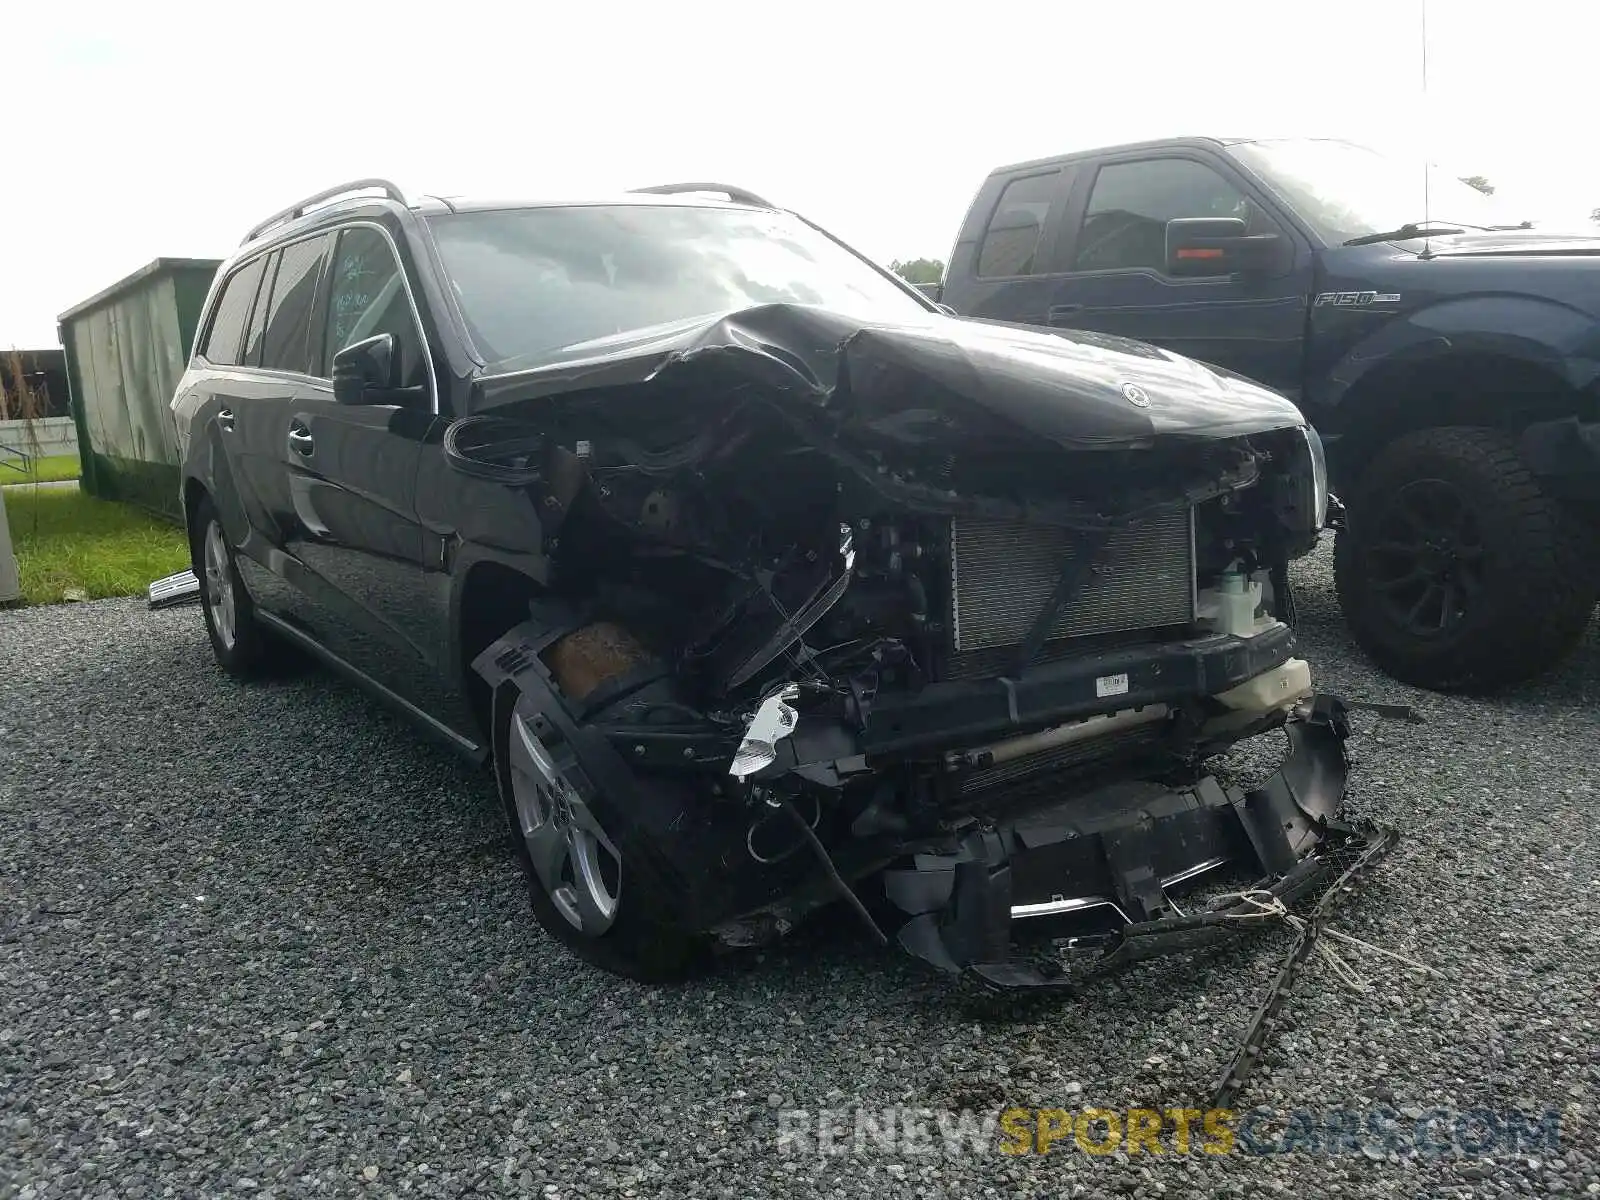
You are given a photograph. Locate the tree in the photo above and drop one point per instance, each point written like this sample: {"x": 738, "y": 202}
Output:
{"x": 919, "y": 270}
{"x": 1594, "y": 214}
{"x": 1479, "y": 182}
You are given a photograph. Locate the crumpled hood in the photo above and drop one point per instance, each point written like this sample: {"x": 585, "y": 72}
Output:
{"x": 911, "y": 379}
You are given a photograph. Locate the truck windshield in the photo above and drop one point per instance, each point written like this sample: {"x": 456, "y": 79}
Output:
{"x": 533, "y": 283}
{"x": 1343, "y": 190}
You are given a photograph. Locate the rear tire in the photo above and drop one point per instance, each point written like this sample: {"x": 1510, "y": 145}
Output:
{"x": 596, "y": 883}
{"x": 236, "y": 635}
{"x": 1456, "y": 571}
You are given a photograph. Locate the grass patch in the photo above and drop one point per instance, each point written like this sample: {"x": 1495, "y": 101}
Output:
{"x": 50, "y": 468}
{"x": 64, "y": 539}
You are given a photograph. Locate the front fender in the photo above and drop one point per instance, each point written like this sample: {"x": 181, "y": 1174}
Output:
{"x": 522, "y": 562}
{"x": 1557, "y": 338}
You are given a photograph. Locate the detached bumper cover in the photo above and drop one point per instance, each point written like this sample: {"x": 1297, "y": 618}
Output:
{"x": 1119, "y": 849}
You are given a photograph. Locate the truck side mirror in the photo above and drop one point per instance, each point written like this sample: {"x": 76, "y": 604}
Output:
{"x": 1220, "y": 246}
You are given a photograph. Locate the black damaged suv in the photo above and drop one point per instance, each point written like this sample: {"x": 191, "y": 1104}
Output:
{"x": 762, "y": 581}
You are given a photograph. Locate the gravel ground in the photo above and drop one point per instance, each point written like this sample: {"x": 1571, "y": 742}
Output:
{"x": 262, "y": 939}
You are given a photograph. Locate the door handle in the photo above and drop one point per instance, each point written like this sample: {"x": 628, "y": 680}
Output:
{"x": 225, "y": 418}
{"x": 300, "y": 439}
{"x": 1059, "y": 312}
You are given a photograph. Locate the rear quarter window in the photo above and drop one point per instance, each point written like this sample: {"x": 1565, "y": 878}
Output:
{"x": 221, "y": 345}
{"x": 1015, "y": 233}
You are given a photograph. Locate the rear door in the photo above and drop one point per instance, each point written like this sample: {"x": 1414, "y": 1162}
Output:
{"x": 1110, "y": 266}
{"x": 999, "y": 269}
{"x": 352, "y": 471}
{"x": 277, "y": 348}
{"x": 235, "y": 425}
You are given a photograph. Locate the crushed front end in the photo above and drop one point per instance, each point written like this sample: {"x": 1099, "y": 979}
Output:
{"x": 877, "y": 625}
{"x": 1018, "y": 790}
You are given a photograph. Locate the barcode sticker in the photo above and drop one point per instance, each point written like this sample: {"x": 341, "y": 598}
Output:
{"x": 1111, "y": 685}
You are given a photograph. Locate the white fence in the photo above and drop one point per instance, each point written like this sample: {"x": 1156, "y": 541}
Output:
{"x": 56, "y": 435}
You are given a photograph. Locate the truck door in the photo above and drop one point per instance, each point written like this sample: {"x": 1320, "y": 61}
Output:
{"x": 1110, "y": 270}
{"x": 999, "y": 268}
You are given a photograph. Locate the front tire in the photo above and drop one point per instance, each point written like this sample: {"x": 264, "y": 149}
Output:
{"x": 595, "y": 882}
{"x": 236, "y": 635}
{"x": 1456, "y": 571}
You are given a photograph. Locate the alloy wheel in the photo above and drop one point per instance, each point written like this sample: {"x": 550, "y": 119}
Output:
{"x": 1425, "y": 562}
{"x": 219, "y": 586}
{"x": 574, "y": 859}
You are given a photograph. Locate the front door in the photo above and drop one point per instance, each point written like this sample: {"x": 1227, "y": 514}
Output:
{"x": 352, "y": 475}
{"x": 1111, "y": 269}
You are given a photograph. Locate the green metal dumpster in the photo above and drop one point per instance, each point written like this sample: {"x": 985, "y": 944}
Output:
{"x": 126, "y": 348}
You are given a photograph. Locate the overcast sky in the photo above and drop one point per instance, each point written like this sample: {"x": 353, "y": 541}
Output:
{"x": 164, "y": 128}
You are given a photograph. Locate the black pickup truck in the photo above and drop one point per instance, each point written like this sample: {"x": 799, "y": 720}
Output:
{"x": 1448, "y": 354}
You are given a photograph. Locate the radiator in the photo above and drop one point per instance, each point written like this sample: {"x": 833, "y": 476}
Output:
{"x": 1002, "y": 573}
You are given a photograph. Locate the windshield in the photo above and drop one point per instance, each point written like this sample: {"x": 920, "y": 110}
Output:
{"x": 533, "y": 282}
{"x": 1345, "y": 191}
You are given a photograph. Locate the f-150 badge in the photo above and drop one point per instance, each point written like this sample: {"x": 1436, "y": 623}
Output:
{"x": 1356, "y": 299}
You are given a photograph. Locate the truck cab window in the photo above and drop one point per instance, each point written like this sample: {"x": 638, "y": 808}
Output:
{"x": 1125, "y": 224}
{"x": 1011, "y": 242}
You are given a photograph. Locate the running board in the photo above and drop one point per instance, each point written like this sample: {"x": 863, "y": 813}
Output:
{"x": 171, "y": 590}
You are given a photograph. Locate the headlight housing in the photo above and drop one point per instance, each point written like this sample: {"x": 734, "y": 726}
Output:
{"x": 1318, "y": 481}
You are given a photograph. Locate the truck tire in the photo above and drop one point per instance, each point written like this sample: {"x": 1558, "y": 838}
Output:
{"x": 595, "y": 882}
{"x": 230, "y": 614}
{"x": 1455, "y": 570}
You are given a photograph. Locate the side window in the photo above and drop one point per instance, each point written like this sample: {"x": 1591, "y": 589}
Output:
{"x": 367, "y": 296}
{"x": 1011, "y": 243}
{"x": 233, "y": 310}
{"x": 1125, "y": 225}
{"x": 286, "y": 342}
{"x": 253, "y": 336}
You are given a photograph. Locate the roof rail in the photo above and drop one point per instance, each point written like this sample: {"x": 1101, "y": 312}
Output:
{"x": 297, "y": 210}
{"x": 737, "y": 194}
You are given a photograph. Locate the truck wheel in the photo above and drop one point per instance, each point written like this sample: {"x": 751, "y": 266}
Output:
{"x": 236, "y": 635}
{"x": 1456, "y": 571}
{"x": 596, "y": 884}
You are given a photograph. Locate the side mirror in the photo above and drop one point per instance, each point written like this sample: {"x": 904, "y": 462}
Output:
{"x": 367, "y": 372}
{"x": 933, "y": 291}
{"x": 1220, "y": 246}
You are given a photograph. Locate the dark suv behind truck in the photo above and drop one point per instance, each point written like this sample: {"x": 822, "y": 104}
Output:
{"x": 1447, "y": 354}
{"x": 761, "y": 581}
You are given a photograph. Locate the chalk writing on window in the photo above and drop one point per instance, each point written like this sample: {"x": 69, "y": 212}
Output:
{"x": 360, "y": 278}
